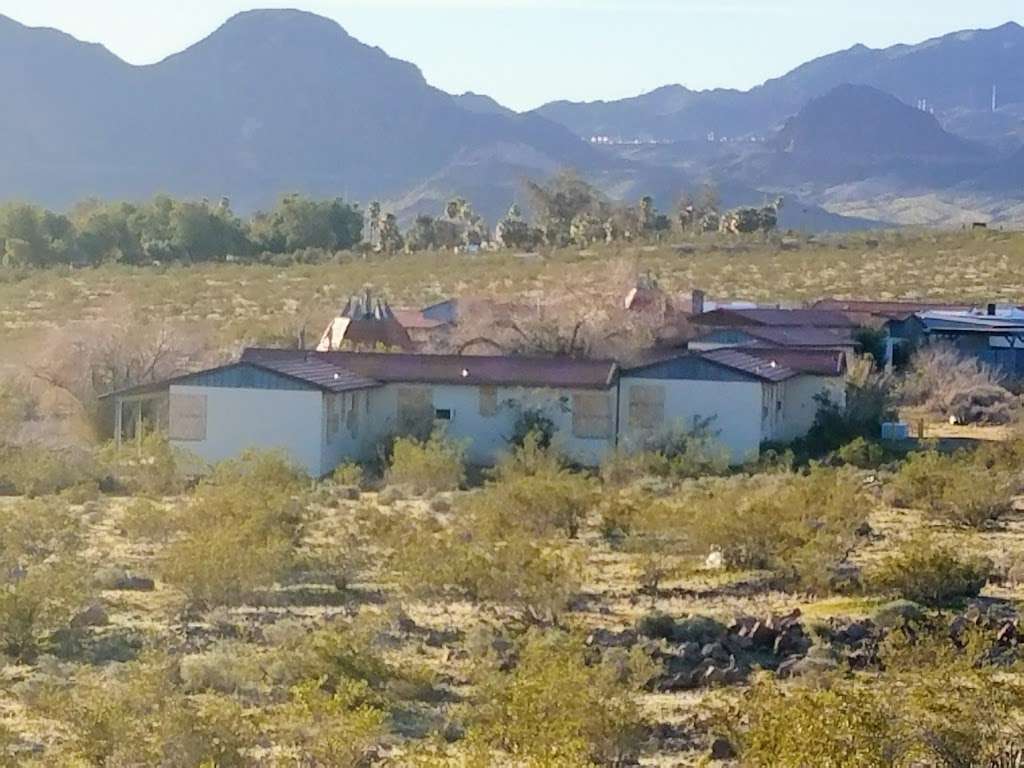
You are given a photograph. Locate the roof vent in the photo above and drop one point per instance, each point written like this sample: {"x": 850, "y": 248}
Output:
{"x": 337, "y": 376}
{"x": 465, "y": 373}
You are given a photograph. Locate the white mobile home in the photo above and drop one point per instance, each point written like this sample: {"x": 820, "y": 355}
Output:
{"x": 325, "y": 408}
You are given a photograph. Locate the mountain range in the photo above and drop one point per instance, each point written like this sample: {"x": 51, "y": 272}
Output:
{"x": 277, "y": 101}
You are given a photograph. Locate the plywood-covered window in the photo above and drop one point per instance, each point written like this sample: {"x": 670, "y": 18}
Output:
{"x": 415, "y": 409}
{"x": 187, "y": 417}
{"x": 334, "y": 407}
{"x": 352, "y": 417}
{"x": 591, "y": 415}
{"x": 488, "y": 401}
{"x": 646, "y": 406}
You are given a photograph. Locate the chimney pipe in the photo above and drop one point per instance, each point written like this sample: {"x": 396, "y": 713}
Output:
{"x": 991, "y": 310}
{"x": 697, "y": 302}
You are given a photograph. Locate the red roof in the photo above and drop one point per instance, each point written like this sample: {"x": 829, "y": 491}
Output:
{"x": 459, "y": 369}
{"x": 821, "y": 338}
{"x": 777, "y": 318}
{"x": 892, "y": 310}
{"x": 414, "y": 319}
{"x": 817, "y": 362}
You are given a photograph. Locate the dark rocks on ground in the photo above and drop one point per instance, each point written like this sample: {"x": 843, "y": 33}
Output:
{"x": 897, "y": 614}
{"x": 93, "y": 616}
{"x": 722, "y": 749}
{"x": 656, "y": 625}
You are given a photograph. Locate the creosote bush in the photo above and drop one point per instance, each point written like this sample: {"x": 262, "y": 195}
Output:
{"x": 929, "y": 573}
{"x": 556, "y": 708}
{"x": 970, "y": 489}
{"x": 436, "y": 464}
{"x": 239, "y": 530}
{"x": 934, "y": 703}
{"x": 799, "y": 527}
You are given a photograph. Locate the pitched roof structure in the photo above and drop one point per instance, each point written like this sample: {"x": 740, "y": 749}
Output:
{"x": 814, "y": 362}
{"x": 461, "y": 369}
{"x": 775, "y": 318}
{"x": 741, "y": 360}
{"x": 365, "y": 322}
{"x": 889, "y": 310}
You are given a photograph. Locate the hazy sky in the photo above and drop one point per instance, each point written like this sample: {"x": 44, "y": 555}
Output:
{"x": 527, "y": 52}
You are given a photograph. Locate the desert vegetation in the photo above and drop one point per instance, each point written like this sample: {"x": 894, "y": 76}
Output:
{"x": 665, "y": 610}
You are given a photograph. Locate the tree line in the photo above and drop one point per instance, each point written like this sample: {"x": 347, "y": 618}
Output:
{"x": 567, "y": 211}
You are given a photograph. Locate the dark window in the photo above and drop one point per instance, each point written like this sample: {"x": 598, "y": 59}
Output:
{"x": 443, "y": 414}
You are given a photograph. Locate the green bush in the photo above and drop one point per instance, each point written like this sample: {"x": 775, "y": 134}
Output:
{"x": 437, "y": 464}
{"x": 932, "y": 703}
{"x": 133, "y": 714}
{"x": 239, "y": 530}
{"x": 152, "y": 468}
{"x": 348, "y": 474}
{"x": 38, "y": 603}
{"x": 929, "y": 573}
{"x": 556, "y": 708}
{"x": 32, "y": 470}
{"x": 799, "y": 527}
{"x": 966, "y": 489}
{"x": 149, "y": 521}
{"x": 863, "y": 454}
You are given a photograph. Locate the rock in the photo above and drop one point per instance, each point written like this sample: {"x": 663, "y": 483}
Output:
{"x": 714, "y": 561}
{"x": 762, "y": 635}
{"x": 93, "y": 616}
{"x": 797, "y": 667}
{"x": 130, "y": 583}
{"x": 698, "y": 629}
{"x": 690, "y": 652}
{"x": 722, "y": 749}
{"x": 864, "y": 530}
{"x": 605, "y": 638}
{"x": 791, "y": 641}
{"x": 1007, "y": 634}
{"x": 657, "y": 625}
{"x": 716, "y": 651}
{"x": 681, "y": 681}
{"x": 855, "y": 632}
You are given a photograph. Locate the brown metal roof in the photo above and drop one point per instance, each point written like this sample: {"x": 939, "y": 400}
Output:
{"x": 414, "y": 319}
{"x": 820, "y": 338}
{"x": 319, "y": 373}
{"x": 741, "y": 360}
{"x": 816, "y": 362}
{"x": 892, "y": 310}
{"x": 777, "y": 318}
{"x": 460, "y": 369}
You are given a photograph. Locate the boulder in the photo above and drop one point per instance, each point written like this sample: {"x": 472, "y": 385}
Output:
{"x": 698, "y": 629}
{"x": 656, "y": 625}
{"x": 129, "y": 582}
{"x": 93, "y": 616}
{"x": 722, "y": 749}
{"x": 898, "y": 614}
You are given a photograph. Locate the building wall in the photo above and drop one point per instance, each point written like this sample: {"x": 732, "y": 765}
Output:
{"x": 800, "y": 406}
{"x": 238, "y": 419}
{"x": 736, "y": 407}
{"x": 486, "y": 435}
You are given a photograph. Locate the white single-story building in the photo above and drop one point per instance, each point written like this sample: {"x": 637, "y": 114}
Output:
{"x": 325, "y": 408}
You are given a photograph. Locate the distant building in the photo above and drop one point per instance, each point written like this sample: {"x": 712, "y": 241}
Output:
{"x": 365, "y": 323}
{"x": 324, "y": 408}
{"x": 994, "y": 336}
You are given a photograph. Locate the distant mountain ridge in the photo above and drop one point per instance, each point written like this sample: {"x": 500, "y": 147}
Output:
{"x": 273, "y": 101}
{"x": 953, "y": 74}
{"x": 287, "y": 101}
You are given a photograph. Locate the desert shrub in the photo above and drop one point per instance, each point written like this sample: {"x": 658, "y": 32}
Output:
{"x": 147, "y": 520}
{"x": 229, "y": 668}
{"x": 950, "y": 487}
{"x": 950, "y": 384}
{"x": 348, "y": 474}
{"x": 673, "y": 453}
{"x": 133, "y": 714}
{"x": 152, "y": 468}
{"x": 437, "y": 464}
{"x": 34, "y": 530}
{"x": 799, "y": 527}
{"x": 330, "y": 727}
{"x": 33, "y": 470}
{"x": 929, "y": 573}
{"x": 556, "y": 708}
{"x": 38, "y": 602}
{"x": 533, "y": 422}
{"x": 861, "y": 453}
{"x": 536, "y": 578}
{"x": 934, "y": 703}
{"x": 868, "y": 404}
{"x": 239, "y": 530}
{"x": 532, "y": 491}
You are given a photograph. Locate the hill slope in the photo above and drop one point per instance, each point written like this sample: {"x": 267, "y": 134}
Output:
{"x": 273, "y": 101}
{"x": 954, "y": 73}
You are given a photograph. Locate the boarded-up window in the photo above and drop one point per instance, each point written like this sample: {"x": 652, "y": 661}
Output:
{"x": 334, "y": 405}
{"x": 415, "y": 409}
{"x": 591, "y": 415}
{"x": 646, "y": 406}
{"x": 187, "y": 415}
{"x": 488, "y": 401}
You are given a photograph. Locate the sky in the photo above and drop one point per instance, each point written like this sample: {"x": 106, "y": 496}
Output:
{"x": 528, "y": 52}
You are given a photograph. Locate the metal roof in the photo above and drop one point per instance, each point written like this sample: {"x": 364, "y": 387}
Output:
{"x": 892, "y": 310}
{"x": 822, "y": 338}
{"x": 969, "y": 322}
{"x": 460, "y": 369}
{"x": 774, "y": 317}
{"x": 316, "y": 373}
{"x": 816, "y": 362}
{"x": 739, "y": 360}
